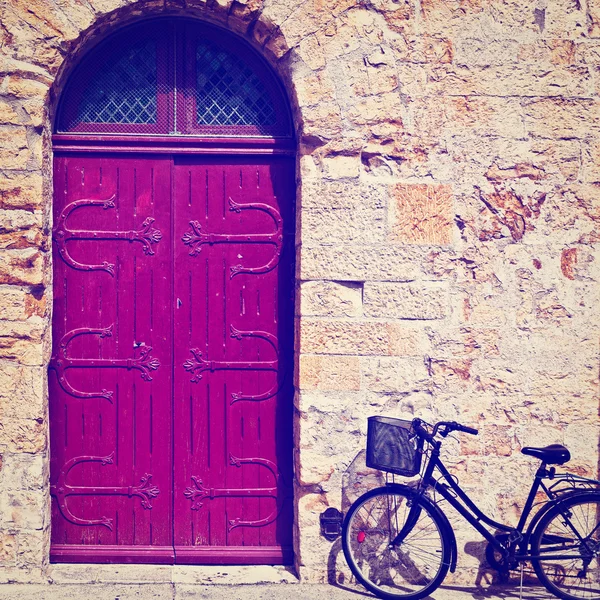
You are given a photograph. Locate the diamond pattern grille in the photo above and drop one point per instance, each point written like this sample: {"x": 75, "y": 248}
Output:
{"x": 228, "y": 92}
{"x": 172, "y": 77}
{"x": 124, "y": 91}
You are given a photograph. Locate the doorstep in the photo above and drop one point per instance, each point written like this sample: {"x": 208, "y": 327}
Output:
{"x": 177, "y": 574}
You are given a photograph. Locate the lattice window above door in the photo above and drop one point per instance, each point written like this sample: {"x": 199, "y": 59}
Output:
{"x": 125, "y": 91}
{"x": 174, "y": 77}
{"x": 228, "y": 92}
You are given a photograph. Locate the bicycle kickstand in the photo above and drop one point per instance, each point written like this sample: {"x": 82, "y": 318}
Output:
{"x": 521, "y": 586}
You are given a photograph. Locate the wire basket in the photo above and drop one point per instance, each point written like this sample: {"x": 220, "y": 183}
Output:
{"x": 392, "y": 446}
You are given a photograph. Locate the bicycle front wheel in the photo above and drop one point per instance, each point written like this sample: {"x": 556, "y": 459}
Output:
{"x": 396, "y": 544}
{"x": 566, "y": 543}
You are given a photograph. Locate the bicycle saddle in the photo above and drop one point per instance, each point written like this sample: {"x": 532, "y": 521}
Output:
{"x": 555, "y": 454}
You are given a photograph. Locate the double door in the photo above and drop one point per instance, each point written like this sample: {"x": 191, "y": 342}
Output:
{"x": 171, "y": 373}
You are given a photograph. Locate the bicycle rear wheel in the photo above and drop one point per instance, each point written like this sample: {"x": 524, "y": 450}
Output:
{"x": 567, "y": 541}
{"x": 397, "y": 545}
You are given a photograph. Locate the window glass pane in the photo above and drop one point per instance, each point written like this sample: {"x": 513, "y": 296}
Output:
{"x": 123, "y": 90}
{"x": 228, "y": 92}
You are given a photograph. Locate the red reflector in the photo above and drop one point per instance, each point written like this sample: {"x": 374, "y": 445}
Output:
{"x": 361, "y": 537}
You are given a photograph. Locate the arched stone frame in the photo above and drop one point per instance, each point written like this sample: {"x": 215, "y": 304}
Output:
{"x": 241, "y": 20}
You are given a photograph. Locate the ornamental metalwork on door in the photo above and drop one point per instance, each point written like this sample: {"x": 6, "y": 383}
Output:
{"x": 171, "y": 374}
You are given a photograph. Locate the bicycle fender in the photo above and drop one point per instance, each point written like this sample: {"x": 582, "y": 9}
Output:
{"x": 546, "y": 507}
{"x": 408, "y": 491}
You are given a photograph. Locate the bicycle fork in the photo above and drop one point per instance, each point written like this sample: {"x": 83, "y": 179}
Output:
{"x": 411, "y": 521}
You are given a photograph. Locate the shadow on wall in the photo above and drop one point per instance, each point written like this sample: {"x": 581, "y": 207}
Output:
{"x": 357, "y": 480}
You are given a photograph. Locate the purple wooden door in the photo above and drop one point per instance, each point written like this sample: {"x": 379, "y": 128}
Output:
{"x": 110, "y": 378}
{"x": 171, "y": 375}
{"x": 233, "y": 359}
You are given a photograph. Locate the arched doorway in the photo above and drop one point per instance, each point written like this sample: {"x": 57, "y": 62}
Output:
{"x": 171, "y": 375}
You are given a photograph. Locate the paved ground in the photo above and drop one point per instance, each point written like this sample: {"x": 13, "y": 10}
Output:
{"x": 281, "y": 591}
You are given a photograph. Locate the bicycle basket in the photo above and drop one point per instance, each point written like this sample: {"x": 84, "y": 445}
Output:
{"x": 393, "y": 446}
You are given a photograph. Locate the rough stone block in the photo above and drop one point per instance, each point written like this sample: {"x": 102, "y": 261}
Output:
{"x": 322, "y": 121}
{"x": 340, "y": 167}
{"x": 361, "y": 338}
{"x": 8, "y": 548}
{"x": 591, "y": 162}
{"x": 18, "y": 190}
{"x": 405, "y": 301}
{"x": 433, "y": 117}
{"x": 503, "y": 80}
{"x": 359, "y": 263}
{"x": 562, "y": 117}
{"x": 25, "y": 510}
{"x": 314, "y": 88}
{"x": 421, "y": 214}
{"x": 475, "y": 51}
{"x": 468, "y": 341}
{"x": 343, "y": 226}
{"x": 311, "y": 52}
{"x": 20, "y": 87}
{"x": 22, "y": 392}
{"x": 22, "y": 472}
{"x": 330, "y": 299}
{"x": 499, "y": 440}
{"x": 423, "y": 49}
{"x": 32, "y": 549}
{"x": 329, "y": 372}
{"x": 21, "y": 267}
{"x": 343, "y": 195}
{"x": 8, "y": 114}
{"x": 394, "y": 374}
{"x": 381, "y": 108}
{"x": 23, "y": 435}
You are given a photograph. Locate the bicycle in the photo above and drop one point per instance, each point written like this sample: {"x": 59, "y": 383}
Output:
{"x": 399, "y": 543}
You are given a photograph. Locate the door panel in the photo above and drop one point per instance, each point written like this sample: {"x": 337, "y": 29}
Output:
{"x": 110, "y": 374}
{"x": 233, "y": 387}
{"x": 171, "y": 376}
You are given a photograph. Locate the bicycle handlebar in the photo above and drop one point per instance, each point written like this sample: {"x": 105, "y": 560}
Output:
{"x": 448, "y": 427}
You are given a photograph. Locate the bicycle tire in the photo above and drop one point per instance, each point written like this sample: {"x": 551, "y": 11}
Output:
{"x": 416, "y": 566}
{"x": 569, "y": 529}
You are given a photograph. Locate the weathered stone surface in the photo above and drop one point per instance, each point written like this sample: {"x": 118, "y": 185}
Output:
{"x": 22, "y": 390}
{"x": 421, "y": 214}
{"x": 361, "y": 338}
{"x": 562, "y": 117}
{"x": 24, "y": 472}
{"x": 330, "y": 299}
{"x": 395, "y": 374}
{"x": 405, "y": 301}
{"x": 329, "y": 372}
{"x": 24, "y": 510}
{"x": 23, "y": 435}
{"x": 343, "y": 226}
{"x": 21, "y": 267}
{"x": 21, "y": 190}
{"x": 32, "y": 548}
{"x": 358, "y": 263}
{"x": 7, "y": 548}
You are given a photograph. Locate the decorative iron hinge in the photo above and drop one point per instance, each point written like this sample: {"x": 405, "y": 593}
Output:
{"x": 146, "y": 235}
{"x": 61, "y": 362}
{"x": 61, "y": 490}
{"x": 197, "y": 364}
{"x": 279, "y": 492}
{"x": 195, "y": 238}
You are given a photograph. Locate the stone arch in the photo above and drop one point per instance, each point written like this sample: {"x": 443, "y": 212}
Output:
{"x": 245, "y": 20}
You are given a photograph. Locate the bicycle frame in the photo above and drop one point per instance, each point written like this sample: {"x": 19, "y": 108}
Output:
{"x": 459, "y": 500}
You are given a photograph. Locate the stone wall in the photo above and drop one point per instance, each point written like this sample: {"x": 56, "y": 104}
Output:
{"x": 449, "y": 201}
